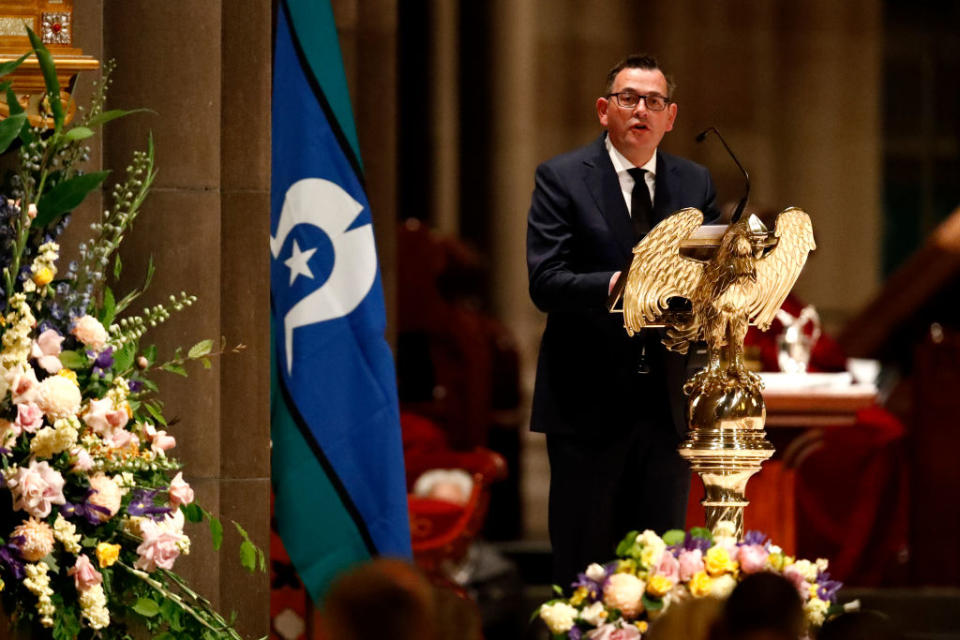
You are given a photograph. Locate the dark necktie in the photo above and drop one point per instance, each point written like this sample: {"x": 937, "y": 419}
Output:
{"x": 641, "y": 210}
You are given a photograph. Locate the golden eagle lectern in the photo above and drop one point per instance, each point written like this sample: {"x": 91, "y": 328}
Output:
{"x": 744, "y": 282}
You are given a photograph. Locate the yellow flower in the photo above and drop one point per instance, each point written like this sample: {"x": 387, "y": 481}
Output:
{"x": 2, "y": 584}
{"x": 641, "y": 625}
{"x": 579, "y": 596}
{"x": 43, "y": 276}
{"x": 658, "y": 586}
{"x": 718, "y": 561}
{"x": 627, "y": 566}
{"x": 69, "y": 374}
{"x": 107, "y": 554}
{"x": 775, "y": 560}
{"x": 700, "y": 584}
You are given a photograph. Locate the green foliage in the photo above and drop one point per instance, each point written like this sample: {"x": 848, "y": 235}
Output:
{"x": 9, "y": 67}
{"x": 74, "y": 359}
{"x": 674, "y": 536}
{"x": 200, "y": 349}
{"x": 76, "y": 134}
{"x": 251, "y": 556}
{"x": 10, "y": 129}
{"x": 66, "y": 196}
{"x": 652, "y": 604}
{"x": 146, "y": 607}
{"x": 192, "y": 512}
{"x": 106, "y": 116}
{"x": 702, "y": 533}
{"x": 49, "y": 78}
{"x": 216, "y": 531}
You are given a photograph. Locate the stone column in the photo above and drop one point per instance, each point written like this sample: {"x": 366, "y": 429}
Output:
{"x": 205, "y": 69}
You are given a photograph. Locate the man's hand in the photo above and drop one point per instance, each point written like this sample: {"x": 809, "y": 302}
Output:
{"x": 613, "y": 282}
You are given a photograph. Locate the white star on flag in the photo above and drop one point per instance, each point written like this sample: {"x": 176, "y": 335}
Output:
{"x": 297, "y": 262}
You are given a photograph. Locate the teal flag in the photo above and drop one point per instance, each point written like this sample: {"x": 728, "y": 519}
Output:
{"x": 340, "y": 493}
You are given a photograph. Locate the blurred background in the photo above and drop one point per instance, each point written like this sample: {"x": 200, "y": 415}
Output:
{"x": 850, "y": 110}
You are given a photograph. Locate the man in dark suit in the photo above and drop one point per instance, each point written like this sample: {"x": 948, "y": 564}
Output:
{"x": 612, "y": 406}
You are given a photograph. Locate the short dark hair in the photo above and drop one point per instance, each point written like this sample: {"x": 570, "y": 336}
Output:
{"x": 637, "y": 61}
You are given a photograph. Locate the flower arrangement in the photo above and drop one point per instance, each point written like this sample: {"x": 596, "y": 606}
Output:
{"x": 97, "y": 504}
{"x": 619, "y": 599}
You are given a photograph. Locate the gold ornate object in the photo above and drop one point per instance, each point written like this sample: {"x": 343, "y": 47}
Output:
{"x": 53, "y": 21}
{"x": 745, "y": 281}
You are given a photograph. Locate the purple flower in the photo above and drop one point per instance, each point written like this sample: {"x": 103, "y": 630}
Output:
{"x": 142, "y": 505}
{"x": 575, "y": 633}
{"x": 10, "y": 556}
{"x": 754, "y": 537}
{"x": 90, "y": 512}
{"x": 692, "y": 542}
{"x": 135, "y": 386}
{"x": 103, "y": 361}
{"x": 827, "y": 588}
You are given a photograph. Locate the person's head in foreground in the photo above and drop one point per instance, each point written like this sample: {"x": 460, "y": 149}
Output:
{"x": 391, "y": 598}
{"x": 765, "y": 606}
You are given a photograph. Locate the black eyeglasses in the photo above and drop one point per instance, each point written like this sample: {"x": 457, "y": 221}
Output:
{"x": 630, "y": 100}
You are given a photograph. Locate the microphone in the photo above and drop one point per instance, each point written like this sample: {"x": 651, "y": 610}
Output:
{"x": 746, "y": 177}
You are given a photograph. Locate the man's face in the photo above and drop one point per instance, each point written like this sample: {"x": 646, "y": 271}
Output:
{"x": 636, "y": 132}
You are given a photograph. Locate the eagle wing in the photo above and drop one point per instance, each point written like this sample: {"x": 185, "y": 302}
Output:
{"x": 779, "y": 270}
{"x": 658, "y": 271}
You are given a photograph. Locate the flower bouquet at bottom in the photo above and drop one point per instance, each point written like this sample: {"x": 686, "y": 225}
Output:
{"x": 92, "y": 502}
{"x": 619, "y": 599}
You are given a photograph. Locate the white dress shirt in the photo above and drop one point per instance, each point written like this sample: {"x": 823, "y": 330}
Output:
{"x": 621, "y": 165}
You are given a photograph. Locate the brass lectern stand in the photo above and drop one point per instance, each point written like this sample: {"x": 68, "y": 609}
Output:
{"x": 745, "y": 279}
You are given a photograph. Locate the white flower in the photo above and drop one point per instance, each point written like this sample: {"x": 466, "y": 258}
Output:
{"x": 106, "y": 494}
{"x": 559, "y": 616}
{"x": 595, "y": 614}
{"x": 596, "y": 572}
{"x": 38, "y": 582}
{"x": 806, "y": 569}
{"x": 816, "y": 610}
{"x": 50, "y": 441}
{"x": 653, "y": 548}
{"x": 93, "y": 603}
{"x": 90, "y": 332}
{"x": 722, "y": 586}
{"x": 624, "y": 591}
{"x": 66, "y": 533}
{"x": 774, "y": 549}
{"x": 59, "y": 397}
{"x": 822, "y": 564}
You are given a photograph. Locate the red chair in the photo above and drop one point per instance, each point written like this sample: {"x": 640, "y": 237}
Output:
{"x": 441, "y": 532}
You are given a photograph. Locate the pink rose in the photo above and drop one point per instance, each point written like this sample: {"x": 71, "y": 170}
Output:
{"x": 29, "y": 417}
{"x": 159, "y": 440}
{"x": 36, "y": 488}
{"x": 82, "y": 461}
{"x": 159, "y": 547}
{"x": 23, "y": 384}
{"x": 690, "y": 562}
{"x": 96, "y": 416}
{"x": 610, "y": 631}
{"x": 669, "y": 567}
{"x": 46, "y": 351}
{"x": 90, "y": 332}
{"x": 84, "y": 574}
{"x": 752, "y": 558}
{"x": 180, "y": 491}
{"x": 120, "y": 439}
{"x": 792, "y": 574}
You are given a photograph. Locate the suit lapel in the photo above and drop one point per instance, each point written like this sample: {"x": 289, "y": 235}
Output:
{"x": 604, "y": 187}
{"x": 664, "y": 196}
